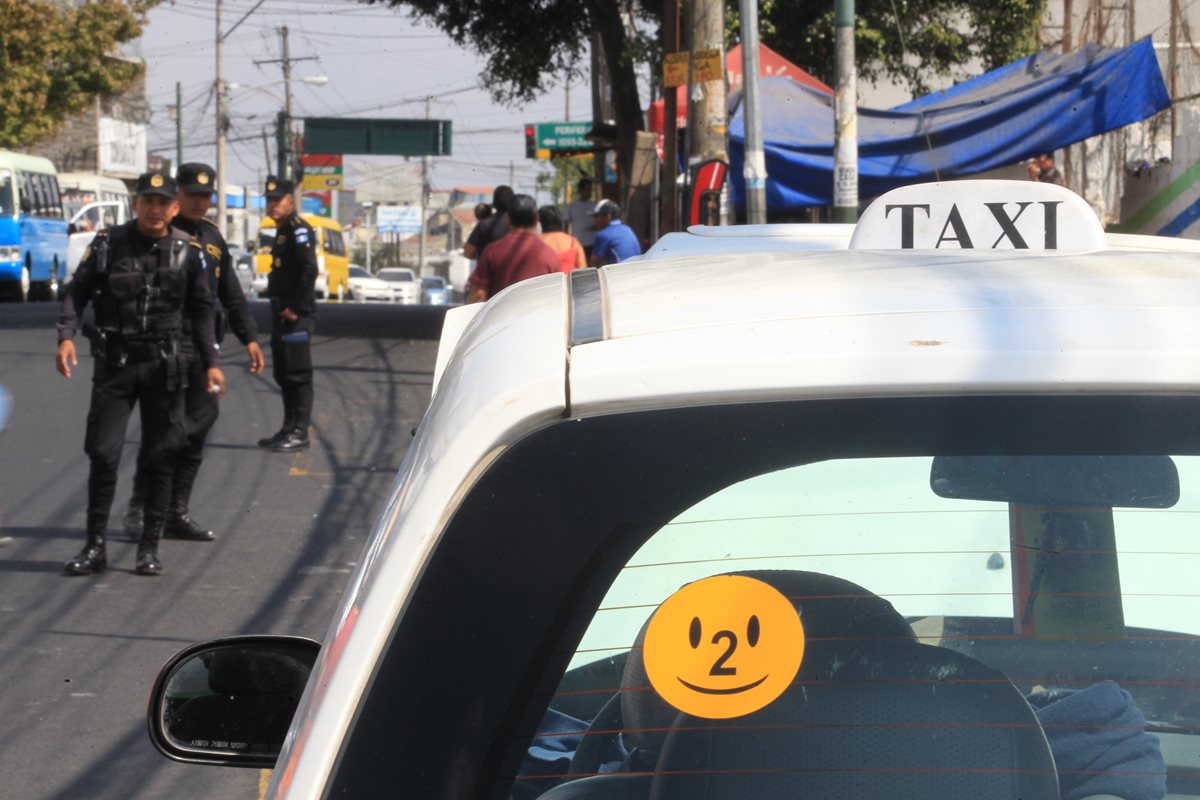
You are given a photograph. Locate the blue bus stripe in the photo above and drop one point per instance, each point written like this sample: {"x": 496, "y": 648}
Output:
{"x": 1182, "y": 222}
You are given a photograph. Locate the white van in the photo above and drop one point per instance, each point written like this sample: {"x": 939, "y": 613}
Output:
{"x": 92, "y": 202}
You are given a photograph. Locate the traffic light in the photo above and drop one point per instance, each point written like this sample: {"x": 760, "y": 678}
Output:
{"x": 531, "y": 141}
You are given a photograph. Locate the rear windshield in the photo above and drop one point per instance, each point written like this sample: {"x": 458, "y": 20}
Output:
{"x": 396, "y": 275}
{"x": 910, "y": 598}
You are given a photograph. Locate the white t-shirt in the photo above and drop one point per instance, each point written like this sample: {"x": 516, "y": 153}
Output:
{"x": 579, "y": 218}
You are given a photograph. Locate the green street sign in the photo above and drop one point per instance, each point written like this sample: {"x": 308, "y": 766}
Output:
{"x": 564, "y": 136}
{"x": 381, "y": 137}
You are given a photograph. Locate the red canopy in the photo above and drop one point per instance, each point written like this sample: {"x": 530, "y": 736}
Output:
{"x": 769, "y": 63}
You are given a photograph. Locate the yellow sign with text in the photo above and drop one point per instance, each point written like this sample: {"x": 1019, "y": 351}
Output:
{"x": 675, "y": 69}
{"x": 708, "y": 66}
{"x": 318, "y": 182}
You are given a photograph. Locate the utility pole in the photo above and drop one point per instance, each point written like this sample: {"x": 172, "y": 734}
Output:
{"x": 178, "y": 124}
{"x": 266, "y": 149}
{"x": 668, "y": 189}
{"x": 286, "y": 144}
{"x": 424, "y": 196}
{"x": 755, "y": 167}
{"x": 845, "y": 112}
{"x": 708, "y": 139}
{"x": 222, "y": 168}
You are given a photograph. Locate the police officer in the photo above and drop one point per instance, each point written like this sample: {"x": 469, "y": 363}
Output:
{"x": 143, "y": 278}
{"x": 196, "y": 185}
{"x": 291, "y": 285}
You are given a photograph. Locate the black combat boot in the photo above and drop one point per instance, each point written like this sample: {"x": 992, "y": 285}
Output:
{"x": 179, "y": 524}
{"x": 133, "y": 515}
{"x": 147, "y": 552}
{"x": 296, "y": 439}
{"x": 278, "y": 436}
{"x": 92, "y": 558}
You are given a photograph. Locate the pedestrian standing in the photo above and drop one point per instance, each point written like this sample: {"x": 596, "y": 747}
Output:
{"x": 196, "y": 183}
{"x": 579, "y": 216}
{"x": 565, "y": 246}
{"x": 1043, "y": 170}
{"x": 143, "y": 278}
{"x": 291, "y": 285}
{"x": 615, "y": 241}
{"x": 492, "y": 228}
{"x": 520, "y": 254}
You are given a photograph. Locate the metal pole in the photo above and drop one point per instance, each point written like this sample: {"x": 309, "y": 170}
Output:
{"x": 289, "y": 165}
{"x": 369, "y": 237}
{"x": 222, "y": 203}
{"x": 178, "y": 124}
{"x": 424, "y": 195}
{"x": 667, "y": 184}
{"x": 755, "y": 167}
{"x": 845, "y": 110}
{"x": 266, "y": 149}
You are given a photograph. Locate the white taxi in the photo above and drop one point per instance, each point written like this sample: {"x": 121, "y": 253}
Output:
{"x": 910, "y": 519}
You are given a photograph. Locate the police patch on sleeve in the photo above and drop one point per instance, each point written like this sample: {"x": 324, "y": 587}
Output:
{"x": 301, "y": 236}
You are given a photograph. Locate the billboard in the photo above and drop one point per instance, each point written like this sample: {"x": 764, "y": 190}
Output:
{"x": 398, "y": 219}
{"x": 122, "y": 146}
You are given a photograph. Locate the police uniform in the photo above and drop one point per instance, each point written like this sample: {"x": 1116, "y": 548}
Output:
{"x": 141, "y": 290}
{"x": 201, "y": 406}
{"x": 291, "y": 285}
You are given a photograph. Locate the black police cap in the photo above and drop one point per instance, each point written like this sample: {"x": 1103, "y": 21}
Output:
{"x": 278, "y": 187}
{"x": 156, "y": 183}
{"x": 196, "y": 177}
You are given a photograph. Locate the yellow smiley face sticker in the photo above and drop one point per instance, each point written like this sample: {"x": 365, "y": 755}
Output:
{"x": 723, "y": 647}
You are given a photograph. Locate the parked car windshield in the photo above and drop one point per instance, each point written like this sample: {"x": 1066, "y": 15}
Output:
{"x": 396, "y": 275}
{"x": 433, "y": 283}
{"x": 861, "y": 598}
{"x": 359, "y": 272}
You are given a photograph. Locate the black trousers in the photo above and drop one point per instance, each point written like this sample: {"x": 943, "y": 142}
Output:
{"x": 115, "y": 390}
{"x": 201, "y": 409}
{"x": 291, "y": 365}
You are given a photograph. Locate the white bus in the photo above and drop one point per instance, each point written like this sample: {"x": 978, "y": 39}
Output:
{"x": 92, "y": 202}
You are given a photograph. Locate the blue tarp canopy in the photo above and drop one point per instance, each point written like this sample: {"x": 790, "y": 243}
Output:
{"x": 1036, "y": 105}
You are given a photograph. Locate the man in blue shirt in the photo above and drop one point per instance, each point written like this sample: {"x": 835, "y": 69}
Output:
{"x": 615, "y": 241}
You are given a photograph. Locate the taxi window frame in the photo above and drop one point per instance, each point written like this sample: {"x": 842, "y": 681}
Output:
{"x": 634, "y": 473}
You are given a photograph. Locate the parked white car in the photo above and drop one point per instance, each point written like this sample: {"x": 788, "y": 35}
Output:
{"x": 365, "y": 286}
{"x": 909, "y": 519}
{"x": 403, "y": 283}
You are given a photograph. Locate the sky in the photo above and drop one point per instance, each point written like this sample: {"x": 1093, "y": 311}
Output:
{"x": 379, "y": 62}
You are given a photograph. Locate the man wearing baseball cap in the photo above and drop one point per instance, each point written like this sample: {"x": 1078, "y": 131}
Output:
{"x": 143, "y": 279}
{"x": 615, "y": 241}
{"x": 197, "y": 182}
{"x": 291, "y": 285}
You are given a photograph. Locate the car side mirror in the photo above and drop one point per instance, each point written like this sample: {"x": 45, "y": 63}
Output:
{"x": 230, "y": 701}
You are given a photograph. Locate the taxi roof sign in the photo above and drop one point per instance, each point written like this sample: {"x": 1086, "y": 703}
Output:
{"x": 979, "y": 215}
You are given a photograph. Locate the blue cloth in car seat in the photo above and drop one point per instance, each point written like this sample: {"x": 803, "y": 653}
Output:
{"x": 1100, "y": 744}
{"x": 550, "y": 752}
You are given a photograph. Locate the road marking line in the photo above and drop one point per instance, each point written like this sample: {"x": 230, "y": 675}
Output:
{"x": 264, "y": 778}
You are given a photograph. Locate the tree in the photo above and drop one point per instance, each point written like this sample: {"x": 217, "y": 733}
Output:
{"x": 530, "y": 46}
{"x": 55, "y": 60}
{"x": 911, "y": 41}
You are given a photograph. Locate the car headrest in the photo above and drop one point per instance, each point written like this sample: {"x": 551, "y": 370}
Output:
{"x": 899, "y": 720}
{"x": 838, "y": 616}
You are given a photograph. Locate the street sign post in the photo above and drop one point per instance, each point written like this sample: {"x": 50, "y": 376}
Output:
{"x": 549, "y": 138}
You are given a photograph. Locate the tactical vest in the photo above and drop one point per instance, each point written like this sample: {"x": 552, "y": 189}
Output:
{"x": 284, "y": 279}
{"x": 133, "y": 302}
